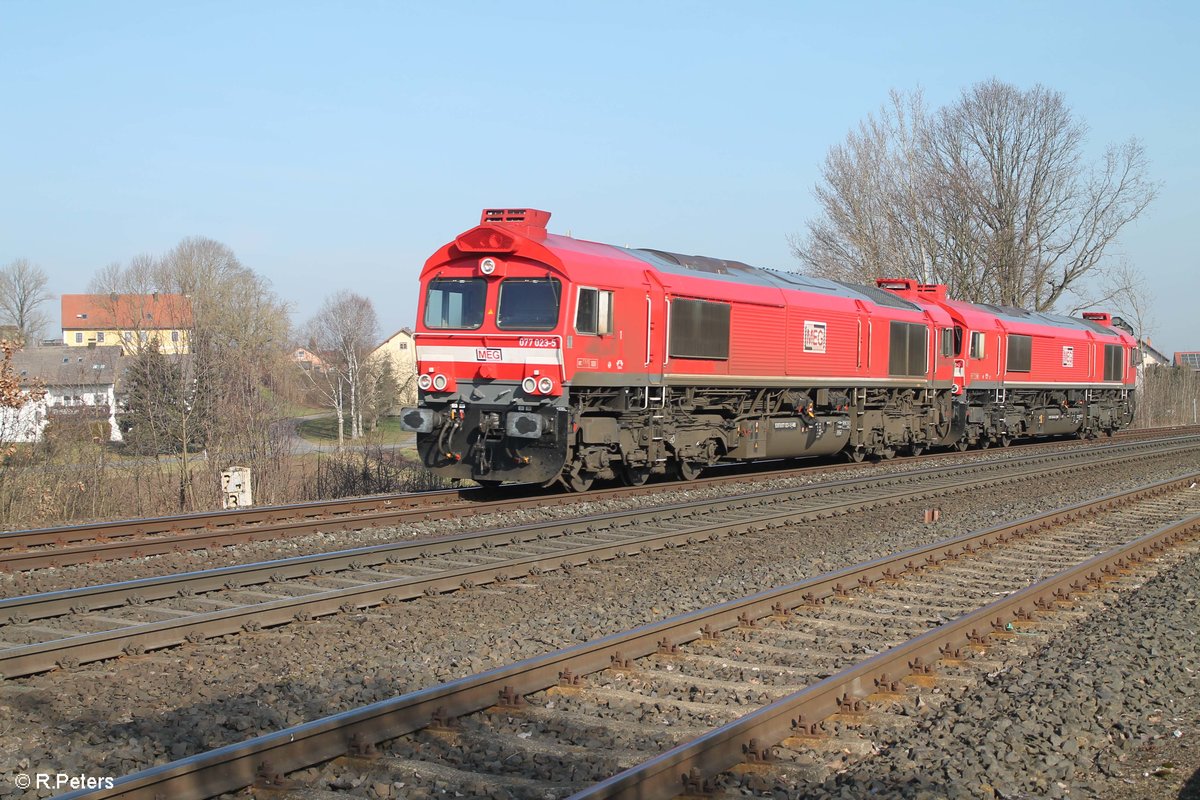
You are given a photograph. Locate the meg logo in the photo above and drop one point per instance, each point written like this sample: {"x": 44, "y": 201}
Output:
{"x": 488, "y": 354}
{"x": 814, "y": 337}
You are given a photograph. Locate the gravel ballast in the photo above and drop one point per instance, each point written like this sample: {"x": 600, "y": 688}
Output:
{"x": 1109, "y": 708}
{"x": 116, "y": 717}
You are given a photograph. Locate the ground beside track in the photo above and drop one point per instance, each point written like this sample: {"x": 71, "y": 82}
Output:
{"x": 116, "y": 717}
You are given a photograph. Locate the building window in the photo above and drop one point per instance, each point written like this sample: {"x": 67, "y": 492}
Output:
{"x": 100, "y": 337}
{"x": 79, "y": 338}
{"x": 403, "y": 345}
{"x": 174, "y": 336}
{"x": 127, "y": 336}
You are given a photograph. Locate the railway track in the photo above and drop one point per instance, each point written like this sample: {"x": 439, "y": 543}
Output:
{"x": 69, "y": 627}
{"x": 105, "y": 541}
{"x": 746, "y": 685}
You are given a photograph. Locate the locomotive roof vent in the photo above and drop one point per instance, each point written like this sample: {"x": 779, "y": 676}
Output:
{"x": 901, "y": 285}
{"x": 896, "y": 284}
{"x": 525, "y": 217}
{"x": 1098, "y": 316}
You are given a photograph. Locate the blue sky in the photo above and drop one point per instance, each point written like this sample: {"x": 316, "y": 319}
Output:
{"x": 335, "y": 146}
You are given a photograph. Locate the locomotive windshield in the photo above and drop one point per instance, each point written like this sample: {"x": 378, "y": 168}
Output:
{"x": 528, "y": 304}
{"x": 456, "y": 304}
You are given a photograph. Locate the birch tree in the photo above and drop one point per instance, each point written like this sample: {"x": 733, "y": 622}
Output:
{"x": 344, "y": 334}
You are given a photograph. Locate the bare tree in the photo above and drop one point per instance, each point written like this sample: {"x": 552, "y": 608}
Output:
{"x": 22, "y": 295}
{"x": 344, "y": 332}
{"x": 989, "y": 195}
{"x": 237, "y": 331}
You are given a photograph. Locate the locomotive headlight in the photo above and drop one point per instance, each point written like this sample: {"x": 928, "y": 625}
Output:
{"x": 545, "y": 386}
{"x": 529, "y": 385}
{"x": 487, "y": 265}
{"x": 424, "y": 382}
{"x": 439, "y": 382}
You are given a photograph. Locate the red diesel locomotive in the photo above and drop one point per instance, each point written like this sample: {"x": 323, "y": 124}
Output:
{"x": 543, "y": 358}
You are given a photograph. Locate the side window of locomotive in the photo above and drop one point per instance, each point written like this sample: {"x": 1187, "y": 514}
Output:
{"x": 528, "y": 304}
{"x": 958, "y": 340}
{"x": 1020, "y": 352}
{"x": 698, "y": 329}
{"x": 977, "y": 344}
{"x": 908, "y": 346}
{"x": 455, "y": 304}
{"x": 1114, "y": 363}
{"x": 948, "y": 339}
{"x": 594, "y": 311}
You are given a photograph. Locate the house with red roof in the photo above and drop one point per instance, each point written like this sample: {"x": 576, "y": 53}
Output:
{"x": 132, "y": 321}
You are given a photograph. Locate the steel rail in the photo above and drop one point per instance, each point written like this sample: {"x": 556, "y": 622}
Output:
{"x": 110, "y": 595}
{"x": 239, "y": 765}
{"x": 664, "y": 775}
{"x": 137, "y": 638}
{"x": 69, "y": 544}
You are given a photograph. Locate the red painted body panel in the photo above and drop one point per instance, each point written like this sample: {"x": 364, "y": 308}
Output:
{"x": 767, "y": 326}
{"x": 1067, "y": 354}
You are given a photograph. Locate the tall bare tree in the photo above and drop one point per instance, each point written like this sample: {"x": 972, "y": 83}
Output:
{"x": 236, "y": 346}
{"x": 990, "y": 195}
{"x": 22, "y": 296}
{"x": 344, "y": 333}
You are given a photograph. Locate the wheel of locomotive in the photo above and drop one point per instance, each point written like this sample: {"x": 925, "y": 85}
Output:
{"x": 579, "y": 481}
{"x": 985, "y": 443}
{"x": 1006, "y": 440}
{"x": 634, "y": 476}
{"x": 688, "y": 470}
{"x": 916, "y": 449}
{"x": 887, "y": 453}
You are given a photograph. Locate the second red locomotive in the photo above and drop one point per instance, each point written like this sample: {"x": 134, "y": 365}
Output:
{"x": 543, "y": 358}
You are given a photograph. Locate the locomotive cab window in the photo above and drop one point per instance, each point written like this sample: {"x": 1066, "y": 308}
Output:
{"x": 958, "y": 340}
{"x": 528, "y": 304}
{"x": 977, "y": 344}
{"x": 594, "y": 311}
{"x": 455, "y": 304}
{"x": 948, "y": 338}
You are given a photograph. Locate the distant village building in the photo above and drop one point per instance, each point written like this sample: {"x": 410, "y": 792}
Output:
{"x": 128, "y": 321}
{"x": 1188, "y": 358}
{"x": 307, "y": 359}
{"x": 1152, "y": 357}
{"x": 81, "y": 386}
{"x": 400, "y": 349}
